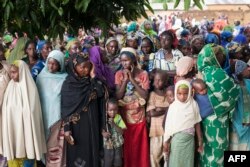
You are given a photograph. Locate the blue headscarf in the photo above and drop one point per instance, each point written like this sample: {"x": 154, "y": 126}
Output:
{"x": 225, "y": 35}
{"x": 40, "y": 45}
{"x": 49, "y": 87}
{"x": 241, "y": 39}
{"x": 211, "y": 38}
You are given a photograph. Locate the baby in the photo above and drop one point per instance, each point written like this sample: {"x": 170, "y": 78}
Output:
{"x": 201, "y": 97}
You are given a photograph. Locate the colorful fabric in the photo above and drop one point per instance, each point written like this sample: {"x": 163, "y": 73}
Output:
{"x": 154, "y": 101}
{"x": 241, "y": 39}
{"x": 49, "y": 86}
{"x": 225, "y": 36}
{"x": 204, "y": 104}
{"x": 132, "y": 27}
{"x": 184, "y": 66}
{"x": 37, "y": 68}
{"x": 211, "y": 38}
{"x": 136, "y": 149}
{"x": 21, "y": 162}
{"x": 161, "y": 63}
{"x": 23, "y": 130}
{"x": 40, "y": 45}
{"x": 222, "y": 90}
{"x": 181, "y": 115}
{"x": 150, "y": 32}
{"x": 119, "y": 122}
{"x": 182, "y": 150}
{"x": 102, "y": 71}
{"x": 240, "y": 66}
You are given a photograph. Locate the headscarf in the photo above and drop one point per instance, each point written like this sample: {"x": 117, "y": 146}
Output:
{"x": 222, "y": 91}
{"x": 149, "y": 31}
{"x": 49, "y": 86}
{"x": 113, "y": 39}
{"x": 40, "y": 45}
{"x": 211, "y": 38}
{"x": 195, "y": 37}
{"x": 181, "y": 115}
{"x": 102, "y": 71}
{"x": 225, "y": 36}
{"x": 70, "y": 43}
{"x": 184, "y": 66}
{"x": 7, "y": 38}
{"x": 132, "y": 27}
{"x": 23, "y": 121}
{"x": 241, "y": 39}
{"x": 151, "y": 43}
{"x": 240, "y": 66}
{"x": 132, "y": 56}
{"x": 18, "y": 52}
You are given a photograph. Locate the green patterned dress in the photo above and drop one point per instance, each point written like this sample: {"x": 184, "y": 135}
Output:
{"x": 223, "y": 94}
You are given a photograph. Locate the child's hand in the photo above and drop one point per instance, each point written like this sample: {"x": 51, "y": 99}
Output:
{"x": 105, "y": 134}
{"x": 68, "y": 137}
{"x": 200, "y": 148}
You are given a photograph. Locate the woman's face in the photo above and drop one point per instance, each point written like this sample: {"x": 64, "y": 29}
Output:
{"x": 147, "y": 26}
{"x": 30, "y": 51}
{"x": 75, "y": 48}
{"x": 83, "y": 69}
{"x": 198, "y": 45}
{"x": 126, "y": 62}
{"x": 53, "y": 65}
{"x": 185, "y": 50}
{"x": 45, "y": 50}
{"x": 112, "y": 47}
{"x": 132, "y": 43}
{"x": 146, "y": 47}
{"x": 14, "y": 73}
{"x": 166, "y": 41}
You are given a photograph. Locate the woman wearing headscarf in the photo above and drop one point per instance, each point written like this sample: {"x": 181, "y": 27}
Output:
{"x": 112, "y": 59}
{"x": 82, "y": 111}
{"x": 223, "y": 94}
{"x": 102, "y": 71}
{"x": 226, "y": 37}
{"x": 49, "y": 83}
{"x": 4, "y": 80}
{"x": 240, "y": 128}
{"x": 132, "y": 86}
{"x": 185, "y": 69}
{"x": 197, "y": 43}
{"x": 23, "y": 133}
{"x": 147, "y": 29}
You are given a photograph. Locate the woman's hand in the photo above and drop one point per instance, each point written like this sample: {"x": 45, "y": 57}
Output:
{"x": 68, "y": 137}
{"x": 105, "y": 134}
{"x": 200, "y": 148}
{"x": 92, "y": 71}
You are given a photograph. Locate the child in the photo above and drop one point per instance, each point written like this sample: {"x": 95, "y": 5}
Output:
{"x": 201, "y": 98}
{"x": 182, "y": 122}
{"x": 156, "y": 109}
{"x": 113, "y": 139}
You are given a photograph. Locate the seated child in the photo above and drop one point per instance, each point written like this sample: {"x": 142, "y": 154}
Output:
{"x": 156, "y": 109}
{"x": 183, "y": 120}
{"x": 201, "y": 98}
{"x": 113, "y": 139}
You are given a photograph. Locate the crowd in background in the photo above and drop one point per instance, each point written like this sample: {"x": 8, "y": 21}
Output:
{"x": 168, "y": 92}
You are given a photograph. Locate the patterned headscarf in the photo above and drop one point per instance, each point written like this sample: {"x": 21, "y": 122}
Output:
{"x": 222, "y": 91}
{"x": 240, "y": 66}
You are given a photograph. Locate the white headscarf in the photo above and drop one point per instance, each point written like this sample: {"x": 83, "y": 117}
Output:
{"x": 181, "y": 115}
{"x": 23, "y": 133}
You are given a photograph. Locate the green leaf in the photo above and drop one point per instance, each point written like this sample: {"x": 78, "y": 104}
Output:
{"x": 64, "y": 2}
{"x": 187, "y": 4}
{"x": 60, "y": 11}
{"x": 53, "y": 4}
{"x": 34, "y": 19}
{"x": 42, "y": 5}
{"x": 176, "y": 3}
{"x": 5, "y": 3}
{"x": 198, "y": 4}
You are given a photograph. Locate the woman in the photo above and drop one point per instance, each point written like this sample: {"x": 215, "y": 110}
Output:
{"x": 4, "y": 80}
{"x": 132, "y": 86}
{"x": 82, "y": 107}
{"x": 23, "y": 133}
{"x": 240, "y": 128}
{"x": 223, "y": 94}
{"x": 185, "y": 69}
{"x": 31, "y": 57}
{"x": 49, "y": 83}
{"x": 166, "y": 57}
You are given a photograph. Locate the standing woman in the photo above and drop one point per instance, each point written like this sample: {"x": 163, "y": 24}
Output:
{"x": 4, "y": 80}
{"x": 23, "y": 133}
{"x": 82, "y": 107}
{"x": 132, "y": 86}
{"x": 49, "y": 83}
{"x": 31, "y": 57}
{"x": 223, "y": 94}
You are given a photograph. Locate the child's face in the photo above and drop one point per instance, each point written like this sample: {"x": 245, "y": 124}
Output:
{"x": 112, "y": 110}
{"x": 83, "y": 69}
{"x": 14, "y": 73}
{"x": 158, "y": 82}
{"x": 146, "y": 47}
{"x": 182, "y": 94}
{"x": 200, "y": 88}
{"x": 53, "y": 65}
{"x": 170, "y": 96}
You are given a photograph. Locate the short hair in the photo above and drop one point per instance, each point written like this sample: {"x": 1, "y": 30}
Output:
{"x": 198, "y": 81}
{"x": 112, "y": 101}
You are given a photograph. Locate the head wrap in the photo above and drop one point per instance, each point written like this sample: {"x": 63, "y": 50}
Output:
{"x": 240, "y": 66}
{"x": 184, "y": 66}
{"x": 185, "y": 33}
{"x": 233, "y": 48}
{"x": 7, "y": 38}
{"x": 132, "y": 27}
{"x": 183, "y": 42}
{"x": 130, "y": 50}
{"x": 225, "y": 35}
{"x": 70, "y": 43}
{"x": 212, "y": 38}
{"x": 132, "y": 36}
{"x": 40, "y": 45}
{"x": 195, "y": 37}
{"x": 241, "y": 39}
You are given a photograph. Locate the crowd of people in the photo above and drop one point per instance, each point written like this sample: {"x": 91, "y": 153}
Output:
{"x": 169, "y": 92}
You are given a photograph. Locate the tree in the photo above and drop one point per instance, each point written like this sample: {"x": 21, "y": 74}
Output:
{"x": 51, "y": 17}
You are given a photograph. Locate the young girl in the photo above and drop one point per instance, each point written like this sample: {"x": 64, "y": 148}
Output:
{"x": 113, "y": 139}
{"x": 182, "y": 122}
{"x": 156, "y": 109}
{"x": 23, "y": 133}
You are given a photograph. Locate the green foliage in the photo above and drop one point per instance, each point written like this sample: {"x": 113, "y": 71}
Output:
{"x": 187, "y": 3}
{"x": 51, "y": 17}
{"x": 165, "y": 6}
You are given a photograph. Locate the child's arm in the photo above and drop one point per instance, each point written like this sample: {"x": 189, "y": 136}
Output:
{"x": 199, "y": 136}
{"x": 105, "y": 134}
{"x": 158, "y": 111}
{"x": 117, "y": 128}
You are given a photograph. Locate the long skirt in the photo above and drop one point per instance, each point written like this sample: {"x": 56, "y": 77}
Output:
{"x": 55, "y": 156}
{"x": 21, "y": 162}
{"x": 136, "y": 146}
{"x": 215, "y": 140}
{"x": 182, "y": 150}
